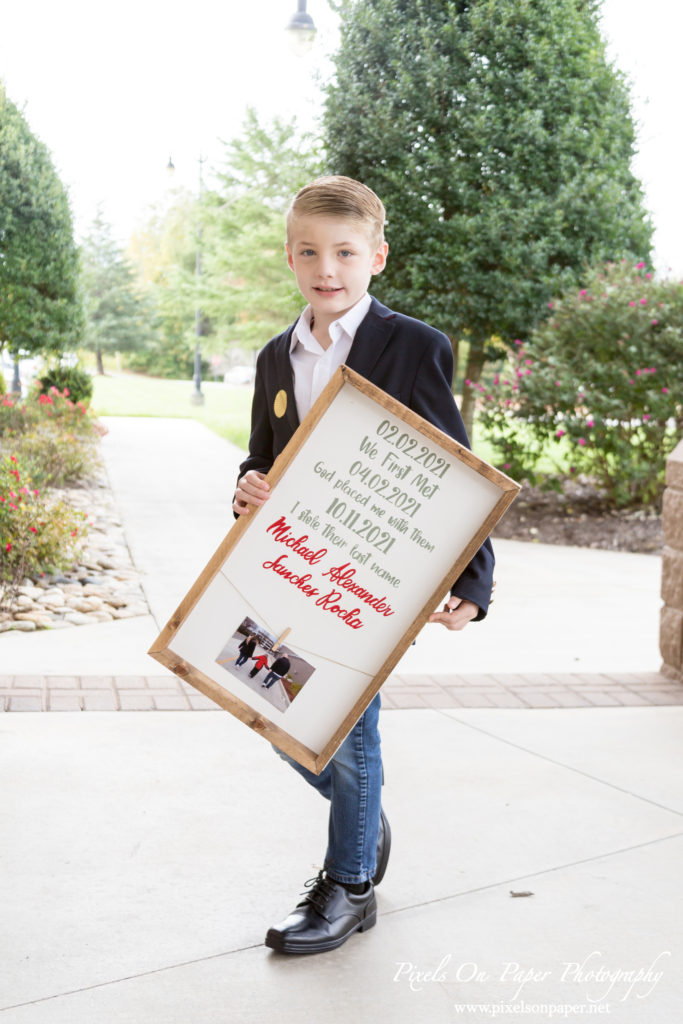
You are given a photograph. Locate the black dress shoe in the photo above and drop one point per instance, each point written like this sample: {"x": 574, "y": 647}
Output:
{"x": 324, "y": 919}
{"x": 383, "y": 848}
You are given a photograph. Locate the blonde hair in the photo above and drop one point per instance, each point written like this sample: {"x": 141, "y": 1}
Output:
{"x": 338, "y": 196}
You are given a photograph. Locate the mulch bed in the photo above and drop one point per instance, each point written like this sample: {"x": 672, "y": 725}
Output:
{"x": 581, "y": 517}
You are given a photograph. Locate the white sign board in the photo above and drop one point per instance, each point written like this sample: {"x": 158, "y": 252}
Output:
{"x": 312, "y": 599}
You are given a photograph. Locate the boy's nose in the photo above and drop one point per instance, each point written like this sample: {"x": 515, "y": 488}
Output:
{"x": 325, "y": 268}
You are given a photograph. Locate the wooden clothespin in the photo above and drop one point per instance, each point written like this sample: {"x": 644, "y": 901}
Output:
{"x": 281, "y": 637}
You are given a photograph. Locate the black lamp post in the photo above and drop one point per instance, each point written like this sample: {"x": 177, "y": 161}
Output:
{"x": 301, "y": 30}
{"x": 197, "y": 397}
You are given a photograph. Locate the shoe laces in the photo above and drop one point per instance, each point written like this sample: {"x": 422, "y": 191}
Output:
{"x": 320, "y": 890}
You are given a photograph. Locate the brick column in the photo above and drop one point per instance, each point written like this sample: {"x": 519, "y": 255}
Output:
{"x": 671, "y": 621}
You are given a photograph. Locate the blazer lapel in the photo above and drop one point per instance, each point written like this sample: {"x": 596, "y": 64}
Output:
{"x": 285, "y": 377}
{"x": 371, "y": 339}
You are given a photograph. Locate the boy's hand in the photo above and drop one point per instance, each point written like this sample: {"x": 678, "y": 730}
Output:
{"x": 252, "y": 489}
{"x": 456, "y": 613}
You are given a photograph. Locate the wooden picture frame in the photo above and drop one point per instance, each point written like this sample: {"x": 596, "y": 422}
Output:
{"x": 368, "y": 501}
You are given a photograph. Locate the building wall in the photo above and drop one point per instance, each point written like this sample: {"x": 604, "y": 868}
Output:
{"x": 671, "y": 622}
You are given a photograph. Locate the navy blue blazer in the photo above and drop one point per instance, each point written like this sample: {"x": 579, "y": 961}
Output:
{"x": 404, "y": 357}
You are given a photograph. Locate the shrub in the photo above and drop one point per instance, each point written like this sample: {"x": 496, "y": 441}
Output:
{"x": 72, "y": 381}
{"x": 14, "y": 417}
{"x": 56, "y": 407}
{"x": 598, "y": 386}
{"x": 3, "y": 385}
{"x": 53, "y": 457}
{"x": 54, "y": 437}
{"x": 53, "y": 406}
{"x": 37, "y": 535}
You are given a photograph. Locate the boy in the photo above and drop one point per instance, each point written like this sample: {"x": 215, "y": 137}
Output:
{"x": 335, "y": 244}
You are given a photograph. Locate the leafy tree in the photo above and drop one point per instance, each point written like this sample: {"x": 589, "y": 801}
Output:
{"x": 500, "y": 138}
{"x": 245, "y": 291}
{"x": 247, "y": 288}
{"x": 40, "y": 307}
{"x": 118, "y": 319}
{"x": 164, "y": 253}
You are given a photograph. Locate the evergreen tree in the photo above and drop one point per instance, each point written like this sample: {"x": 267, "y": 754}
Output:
{"x": 500, "y": 139}
{"x": 118, "y": 319}
{"x": 40, "y": 302}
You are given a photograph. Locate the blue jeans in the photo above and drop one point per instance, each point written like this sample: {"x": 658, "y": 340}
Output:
{"x": 241, "y": 660}
{"x": 271, "y": 678}
{"x": 352, "y": 782}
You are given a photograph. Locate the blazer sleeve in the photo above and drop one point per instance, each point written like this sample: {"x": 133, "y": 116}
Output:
{"x": 260, "y": 455}
{"x": 433, "y": 399}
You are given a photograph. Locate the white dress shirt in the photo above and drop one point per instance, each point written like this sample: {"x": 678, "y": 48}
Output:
{"x": 313, "y": 365}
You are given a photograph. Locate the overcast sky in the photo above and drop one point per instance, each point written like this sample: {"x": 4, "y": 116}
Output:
{"x": 114, "y": 90}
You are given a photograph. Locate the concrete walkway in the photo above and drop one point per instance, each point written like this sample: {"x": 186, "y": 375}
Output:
{"x": 144, "y": 856}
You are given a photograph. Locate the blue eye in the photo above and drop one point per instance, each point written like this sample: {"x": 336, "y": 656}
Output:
{"x": 346, "y": 252}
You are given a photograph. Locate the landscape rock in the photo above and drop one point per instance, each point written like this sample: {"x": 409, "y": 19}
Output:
{"x": 22, "y": 625}
{"x": 78, "y": 618}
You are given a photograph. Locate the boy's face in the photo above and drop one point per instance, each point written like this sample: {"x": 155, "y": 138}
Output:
{"x": 333, "y": 260}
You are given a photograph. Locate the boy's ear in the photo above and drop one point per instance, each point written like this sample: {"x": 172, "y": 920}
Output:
{"x": 290, "y": 262}
{"x": 380, "y": 260}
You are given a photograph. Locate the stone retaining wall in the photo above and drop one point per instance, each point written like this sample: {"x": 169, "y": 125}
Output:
{"x": 671, "y": 622}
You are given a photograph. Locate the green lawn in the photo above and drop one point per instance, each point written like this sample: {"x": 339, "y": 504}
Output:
{"x": 226, "y": 410}
{"x": 481, "y": 446}
{"x": 556, "y": 456}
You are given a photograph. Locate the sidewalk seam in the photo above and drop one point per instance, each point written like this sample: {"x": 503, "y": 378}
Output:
{"x": 388, "y": 913}
{"x": 532, "y": 874}
{"x": 130, "y": 977}
{"x": 560, "y": 764}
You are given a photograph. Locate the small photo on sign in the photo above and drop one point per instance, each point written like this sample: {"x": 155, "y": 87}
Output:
{"x": 277, "y": 675}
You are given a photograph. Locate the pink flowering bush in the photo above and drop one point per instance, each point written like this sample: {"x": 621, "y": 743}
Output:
{"x": 47, "y": 441}
{"x": 54, "y": 436}
{"x": 599, "y": 386}
{"x": 52, "y": 407}
{"x": 38, "y": 535}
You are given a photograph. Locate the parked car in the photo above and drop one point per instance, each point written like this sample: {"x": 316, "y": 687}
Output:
{"x": 28, "y": 369}
{"x": 240, "y": 375}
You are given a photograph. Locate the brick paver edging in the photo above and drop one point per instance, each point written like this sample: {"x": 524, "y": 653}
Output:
{"x": 533, "y": 690}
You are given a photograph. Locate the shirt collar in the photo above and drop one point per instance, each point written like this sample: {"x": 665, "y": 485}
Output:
{"x": 347, "y": 324}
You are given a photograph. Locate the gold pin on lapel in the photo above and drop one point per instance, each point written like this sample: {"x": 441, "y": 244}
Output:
{"x": 280, "y": 404}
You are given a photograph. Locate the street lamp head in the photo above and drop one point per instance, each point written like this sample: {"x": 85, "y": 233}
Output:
{"x": 301, "y": 30}
{"x": 170, "y": 166}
